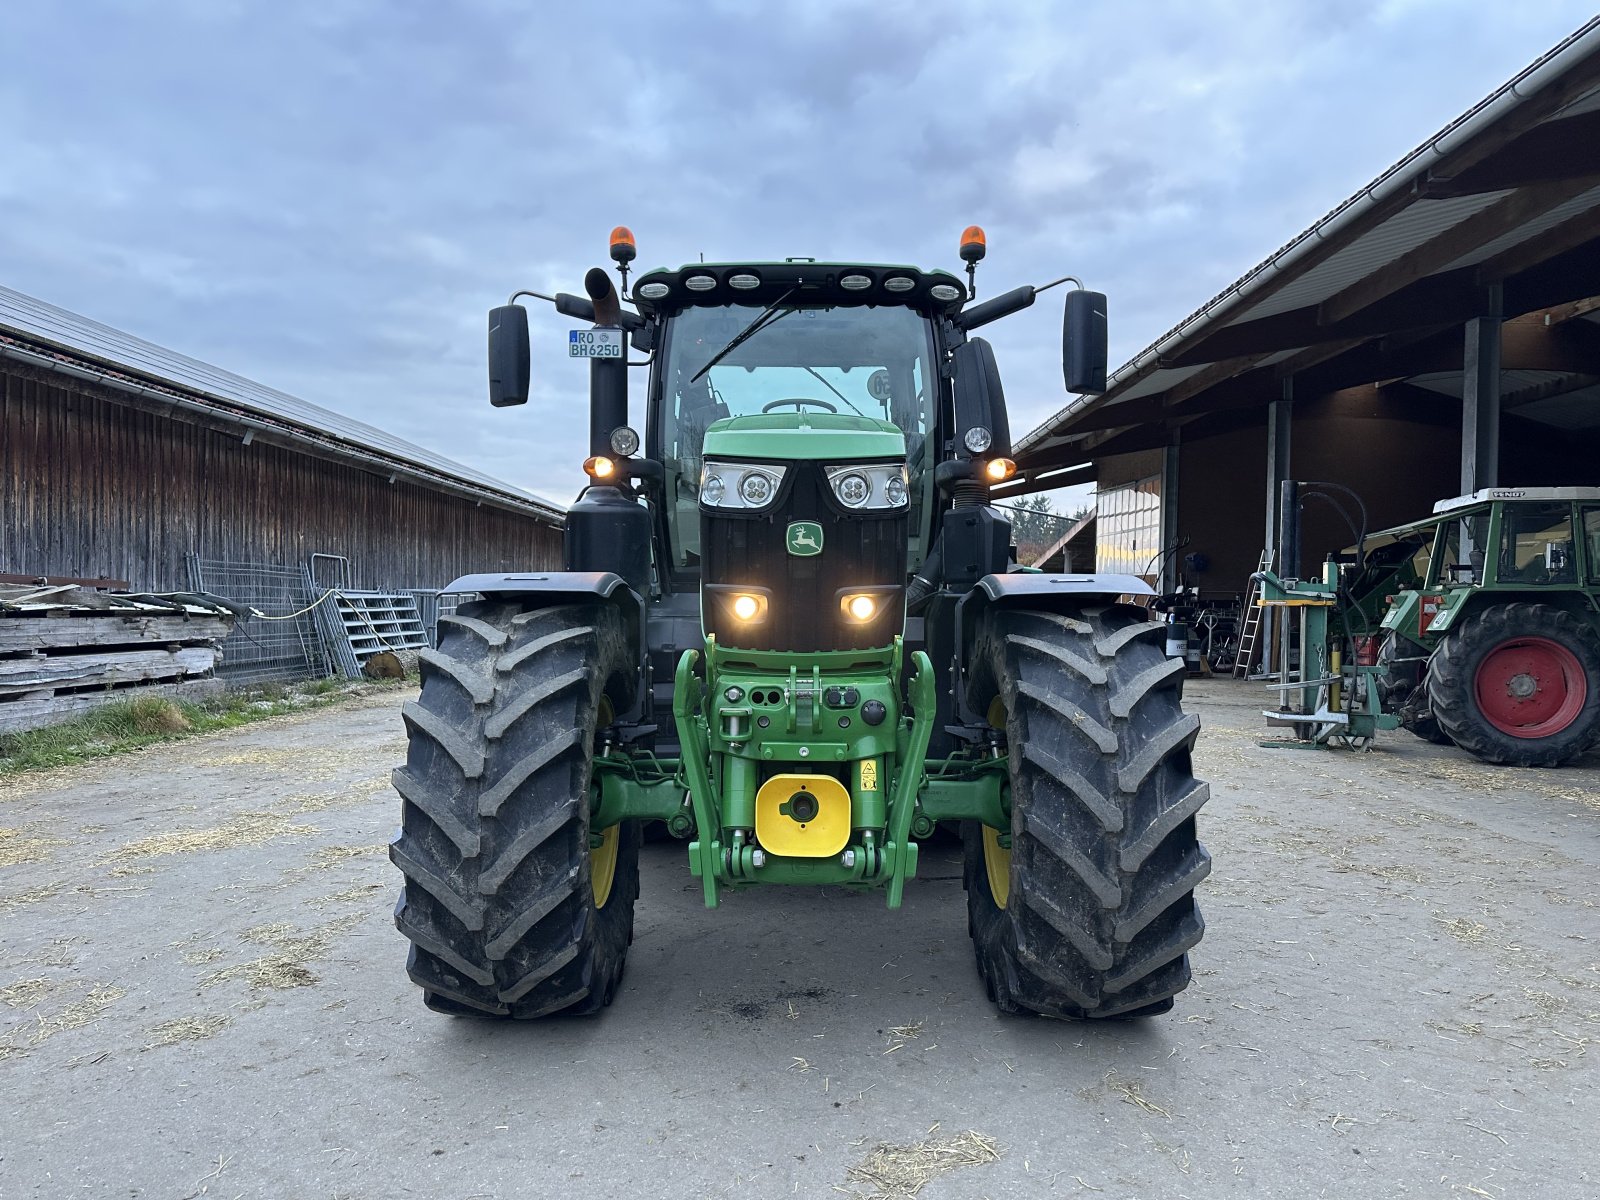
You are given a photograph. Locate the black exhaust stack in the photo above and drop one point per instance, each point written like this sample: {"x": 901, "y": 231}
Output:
{"x": 608, "y": 377}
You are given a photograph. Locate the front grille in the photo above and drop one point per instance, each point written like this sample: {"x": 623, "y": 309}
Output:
{"x": 860, "y": 550}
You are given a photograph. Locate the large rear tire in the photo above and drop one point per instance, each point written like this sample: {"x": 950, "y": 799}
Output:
{"x": 1091, "y": 912}
{"x": 1519, "y": 684}
{"x": 510, "y": 910}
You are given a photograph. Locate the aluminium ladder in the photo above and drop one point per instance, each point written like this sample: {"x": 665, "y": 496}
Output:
{"x": 1250, "y": 630}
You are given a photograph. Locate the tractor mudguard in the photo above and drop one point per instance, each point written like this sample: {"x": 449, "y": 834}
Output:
{"x": 1026, "y": 589}
{"x": 556, "y": 585}
{"x": 549, "y": 588}
{"x": 1031, "y": 587}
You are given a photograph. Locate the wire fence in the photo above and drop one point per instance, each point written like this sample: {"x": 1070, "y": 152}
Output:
{"x": 264, "y": 651}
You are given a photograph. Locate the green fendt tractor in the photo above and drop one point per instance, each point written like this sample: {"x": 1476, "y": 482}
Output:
{"x": 792, "y": 630}
{"x": 1494, "y": 624}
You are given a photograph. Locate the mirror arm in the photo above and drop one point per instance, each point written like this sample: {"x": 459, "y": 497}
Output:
{"x": 1073, "y": 279}
{"x": 578, "y": 307}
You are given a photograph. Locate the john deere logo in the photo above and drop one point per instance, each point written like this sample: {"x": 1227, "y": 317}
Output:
{"x": 805, "y": 538}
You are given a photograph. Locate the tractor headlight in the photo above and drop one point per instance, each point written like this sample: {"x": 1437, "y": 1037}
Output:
{"x": 733, "y": 485}
{"x": 624, "y": 441}
{"x": 852, "y": 489}
{"x": 755, "y": 488}
{"x": 870, "y": 485}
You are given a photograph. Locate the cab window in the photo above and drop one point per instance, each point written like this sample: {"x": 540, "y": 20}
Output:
{"x": 1536, "y": 544}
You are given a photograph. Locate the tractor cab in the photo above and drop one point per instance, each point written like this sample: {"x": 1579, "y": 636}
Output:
{"x": 772, "y": 361}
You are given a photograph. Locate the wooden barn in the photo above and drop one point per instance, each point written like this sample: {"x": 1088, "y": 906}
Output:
{"x": 128, "y": 464}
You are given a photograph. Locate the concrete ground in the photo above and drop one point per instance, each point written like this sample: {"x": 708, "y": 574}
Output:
{"x": 1398, "y": 995}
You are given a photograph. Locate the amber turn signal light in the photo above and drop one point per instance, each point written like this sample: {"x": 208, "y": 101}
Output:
{"x": 998, "y": 469}
{"x": 599, "y": 467}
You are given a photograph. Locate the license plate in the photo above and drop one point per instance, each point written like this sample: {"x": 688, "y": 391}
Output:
{"x": 594, "y": 343}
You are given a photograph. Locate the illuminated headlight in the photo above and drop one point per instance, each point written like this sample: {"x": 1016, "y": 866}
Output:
{"x": 624, "y": 441}
{"x": 870, "y": 485}
{"x": 860, "y": 607}
{"x": 739, "y": 485}
{"x": 978, "y": 439}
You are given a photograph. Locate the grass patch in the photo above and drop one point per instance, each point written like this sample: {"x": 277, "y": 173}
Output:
{"x": 125, "y": 725}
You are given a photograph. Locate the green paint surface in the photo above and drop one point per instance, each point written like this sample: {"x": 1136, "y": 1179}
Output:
{"x": 781, "y": 437}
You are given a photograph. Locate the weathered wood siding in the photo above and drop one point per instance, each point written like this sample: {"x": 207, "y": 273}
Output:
{"x": 93, "y": 488}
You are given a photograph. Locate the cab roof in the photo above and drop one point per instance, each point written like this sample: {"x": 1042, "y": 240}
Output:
{"x": 759, "y": 284}
{"x": 1490, "y": 495}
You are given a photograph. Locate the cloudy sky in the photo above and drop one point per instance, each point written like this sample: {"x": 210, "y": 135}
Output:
{"x": 327, "y": 196}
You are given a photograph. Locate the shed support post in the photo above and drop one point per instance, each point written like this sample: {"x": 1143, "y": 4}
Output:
{"x": 1280, "y": 422}
{"x": 1480, "y": 403}
{"x": 1169, "y": 565}
{"x": 1480, "y": 400}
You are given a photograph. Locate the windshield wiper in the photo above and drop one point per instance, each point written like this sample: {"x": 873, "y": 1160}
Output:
{"x": 748, "y": 332}
{"x": 812, "y": 371}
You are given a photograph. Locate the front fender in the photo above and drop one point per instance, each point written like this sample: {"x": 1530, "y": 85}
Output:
{"x": 550, "y": 588}
{"x": 559, "y": 585}
{"x": 1031, "y": 586}
{"x": 1031, "y": 589}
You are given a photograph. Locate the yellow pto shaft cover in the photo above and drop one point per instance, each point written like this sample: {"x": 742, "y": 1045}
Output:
{"x": 803, "y": 816}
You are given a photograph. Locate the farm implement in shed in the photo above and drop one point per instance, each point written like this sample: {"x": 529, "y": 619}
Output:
{"x": 1478, "y": 626}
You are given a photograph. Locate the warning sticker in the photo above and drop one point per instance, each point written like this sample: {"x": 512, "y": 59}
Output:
{"x": 869, "y": 774}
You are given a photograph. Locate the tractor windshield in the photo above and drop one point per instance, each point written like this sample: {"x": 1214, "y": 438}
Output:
{"x": 858, "y": 361}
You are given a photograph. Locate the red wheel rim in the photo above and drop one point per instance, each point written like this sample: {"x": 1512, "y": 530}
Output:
{"x": 1531, "y": 687}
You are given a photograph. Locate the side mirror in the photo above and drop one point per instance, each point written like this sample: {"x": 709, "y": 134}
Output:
{"x": 509, "y": 359}
{"x": 980, "y": 400}
{"x": 1083, "y": 342}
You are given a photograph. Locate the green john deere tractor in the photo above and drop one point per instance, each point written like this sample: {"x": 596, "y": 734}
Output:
{"x": 1494, "y": 624}
{"x": 792, "y": 629}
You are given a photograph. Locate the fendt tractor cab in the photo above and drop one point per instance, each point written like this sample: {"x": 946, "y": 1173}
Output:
{"x": 790, "y": 626}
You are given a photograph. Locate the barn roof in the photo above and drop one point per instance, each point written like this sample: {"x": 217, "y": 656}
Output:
{"x": 1504, "y": 202}
{"x": 52, "y": 339}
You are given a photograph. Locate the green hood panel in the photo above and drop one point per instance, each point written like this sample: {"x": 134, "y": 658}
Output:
{"x": 778, "y": 437}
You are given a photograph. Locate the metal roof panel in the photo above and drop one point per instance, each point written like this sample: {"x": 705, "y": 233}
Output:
{"x": 1404, "y": 232}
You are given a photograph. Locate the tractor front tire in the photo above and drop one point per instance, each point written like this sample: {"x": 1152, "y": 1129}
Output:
{"x": 1090, "y": 912}
{"x": 1519, "y": 684}
{"x": 511, "y": 911}
{"x": 1417, "y": 718}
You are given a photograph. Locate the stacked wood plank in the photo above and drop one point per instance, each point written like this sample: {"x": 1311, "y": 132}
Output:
{"x": 66, "y": 649}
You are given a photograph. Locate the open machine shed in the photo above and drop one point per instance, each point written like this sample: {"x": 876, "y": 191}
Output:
{"x": 1436, "y": 333}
